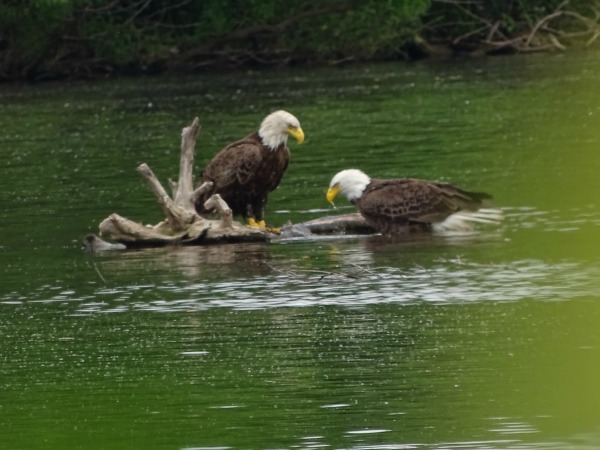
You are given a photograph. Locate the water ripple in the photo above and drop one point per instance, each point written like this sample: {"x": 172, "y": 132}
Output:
{"x": 452, "y": 282}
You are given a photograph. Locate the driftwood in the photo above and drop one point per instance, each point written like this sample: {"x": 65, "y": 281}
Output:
{"x": 540, "y": 35}
{"x": 345, "y": 224}
{"x": 182, "y": 224}
{"x": 132, "y": 234}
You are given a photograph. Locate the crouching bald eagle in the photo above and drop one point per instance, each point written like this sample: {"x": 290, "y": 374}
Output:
{"x": 246, "y": 171}
{"x": 402, "y": 205}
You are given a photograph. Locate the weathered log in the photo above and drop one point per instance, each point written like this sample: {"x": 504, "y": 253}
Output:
{"x": 182, "y": 224}
{"x": 133, "y": 234}
{"x": 93, "y": 244}
{"x": 352, "y": 223}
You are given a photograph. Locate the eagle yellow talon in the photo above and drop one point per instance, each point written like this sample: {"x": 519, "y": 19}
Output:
{"x": 273, "y": 230}
{"x": 262, "y": 225}
{"x": 252, "y": 223}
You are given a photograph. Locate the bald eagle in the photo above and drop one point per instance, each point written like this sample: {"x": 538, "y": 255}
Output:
{"x": 246, "y": 171}
{"x": 402, "y": 205}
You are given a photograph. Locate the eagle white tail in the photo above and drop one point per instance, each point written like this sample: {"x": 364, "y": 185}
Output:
{"x": 463, "y": 221}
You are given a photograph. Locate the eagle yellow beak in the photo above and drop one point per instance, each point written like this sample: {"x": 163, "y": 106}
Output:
{"x": 332, "y": 193}
{"x": 297, "y": 133}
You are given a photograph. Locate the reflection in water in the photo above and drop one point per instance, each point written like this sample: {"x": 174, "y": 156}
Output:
{"x": 344, "y": 271}
{"x": 191, "y": 262}
{"x": 565, "y": 220}
{"x": 352, "y": 284}
{"x": 509, "y": 426}
{"x": 194, "y": 261}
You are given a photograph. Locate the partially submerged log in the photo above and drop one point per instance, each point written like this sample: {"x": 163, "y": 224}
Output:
{"x": 92, "y": 244}
{"x": 182, "y": 224}
{"x": 351, "y": 224}
{"x": 132, "y": 234}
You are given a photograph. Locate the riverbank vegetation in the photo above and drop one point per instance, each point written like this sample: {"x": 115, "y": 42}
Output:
{"x": 48, "y": 39}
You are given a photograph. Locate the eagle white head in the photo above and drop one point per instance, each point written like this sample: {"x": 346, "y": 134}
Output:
{"x": 276, "y": 128}
{"x": 350, "y": 182}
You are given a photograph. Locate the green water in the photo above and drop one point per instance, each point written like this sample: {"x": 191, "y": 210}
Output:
{"x": 489, "y": 340}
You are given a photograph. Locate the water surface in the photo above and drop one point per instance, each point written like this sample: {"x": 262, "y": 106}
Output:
{"x": 484, "y": 340}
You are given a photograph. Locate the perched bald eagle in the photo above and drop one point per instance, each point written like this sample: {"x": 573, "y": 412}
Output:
{"x": 401, "y": 205}
{"x": 246, "y": 171}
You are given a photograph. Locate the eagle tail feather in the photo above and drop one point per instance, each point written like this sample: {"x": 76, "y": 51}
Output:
{"x": 463, "y": 220}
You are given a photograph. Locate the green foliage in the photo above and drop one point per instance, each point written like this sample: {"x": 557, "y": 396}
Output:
{"x": 508, "y": 18}
{"x": 373, "y": 28}
{"x": 29, "y": 30}
{"x": 80, "y": 35}
{"x": 43, "y": 38}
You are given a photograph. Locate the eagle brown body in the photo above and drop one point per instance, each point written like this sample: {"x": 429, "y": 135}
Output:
{"x": 246, "y": 171}
{"x": 402, "y": 205}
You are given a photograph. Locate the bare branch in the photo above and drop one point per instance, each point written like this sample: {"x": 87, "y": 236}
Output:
{"x": 541, "y": 22}
{"x": 593, "y": 38}
{"x": 245, "y": 33}
{"x": 556, "y": 42}
{"x": 185, "y": 185}
{"x": 178, "y": 217}
{"x": 216, "y": 203}
{"x": 468, "y": 34}
{"x": 204, "y": 187}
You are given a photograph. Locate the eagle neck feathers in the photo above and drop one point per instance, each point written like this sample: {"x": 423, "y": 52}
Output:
{"x": 352, "y": 183}
{"x": 272, "y": 138}
{"x": 274, "y": 129}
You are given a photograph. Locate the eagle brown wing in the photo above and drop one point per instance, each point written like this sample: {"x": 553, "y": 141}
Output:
{"x": 231, "y": 171}
{"x": 234, "y": 166}
{"x": 407, "y": 200}
{"x": 243, "y": 173}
